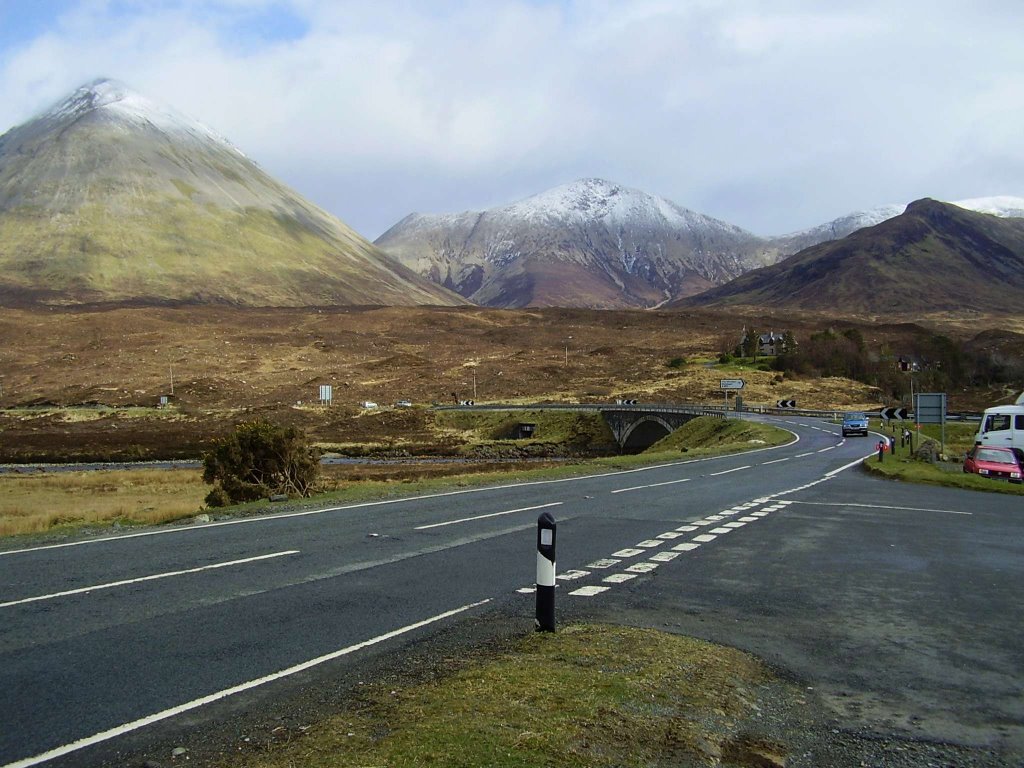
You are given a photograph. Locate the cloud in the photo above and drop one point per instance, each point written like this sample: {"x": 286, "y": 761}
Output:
{"x": 772, "y": 117}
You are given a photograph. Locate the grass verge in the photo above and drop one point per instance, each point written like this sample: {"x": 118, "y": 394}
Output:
{"x": 588, "y": 695}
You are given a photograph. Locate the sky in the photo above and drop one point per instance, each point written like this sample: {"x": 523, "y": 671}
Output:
{"x": 773, "y": 116}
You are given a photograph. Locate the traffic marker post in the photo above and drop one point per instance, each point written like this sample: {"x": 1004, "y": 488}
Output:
{"x": 545, "y": 619}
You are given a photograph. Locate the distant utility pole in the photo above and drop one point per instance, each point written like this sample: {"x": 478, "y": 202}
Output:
{"x": 171, "y": 367}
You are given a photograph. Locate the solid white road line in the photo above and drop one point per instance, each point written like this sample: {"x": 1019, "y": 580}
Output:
{"x": 196, "y": 703}
{"x": 483, "y": 517}
{"x": 154, "y": 577}
{"x": 879, "y": 506}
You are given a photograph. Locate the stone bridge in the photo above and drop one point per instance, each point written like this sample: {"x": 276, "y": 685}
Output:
{"x": 637, "y": 427}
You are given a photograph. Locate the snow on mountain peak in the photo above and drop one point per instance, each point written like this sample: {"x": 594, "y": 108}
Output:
{"x": 115, "y": 99}
{"x": 593, "y": 199}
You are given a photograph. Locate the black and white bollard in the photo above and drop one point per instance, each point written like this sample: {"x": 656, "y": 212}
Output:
{"x": 545, "y": 573}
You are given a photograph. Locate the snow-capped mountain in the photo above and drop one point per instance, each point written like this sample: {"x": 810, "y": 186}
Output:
{"x": 593, "y": 243}
{"x": 590, "y": 243}
{"x": 110, "y": 196}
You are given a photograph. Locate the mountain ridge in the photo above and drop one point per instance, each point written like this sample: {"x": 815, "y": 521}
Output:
{"x": 933, "y": 257}
{"x": 576, "y": 233}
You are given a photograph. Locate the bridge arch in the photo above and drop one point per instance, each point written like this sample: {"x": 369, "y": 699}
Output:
{"x": 645, "y": 432}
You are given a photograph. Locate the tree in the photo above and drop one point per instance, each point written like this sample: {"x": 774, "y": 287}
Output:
{"x": 259, "y": 460}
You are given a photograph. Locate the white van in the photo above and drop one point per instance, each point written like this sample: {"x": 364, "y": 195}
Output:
{"x": 1002, "y": 426}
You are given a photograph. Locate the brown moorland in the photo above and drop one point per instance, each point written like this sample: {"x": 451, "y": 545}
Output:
{"x": 81, "y": 384}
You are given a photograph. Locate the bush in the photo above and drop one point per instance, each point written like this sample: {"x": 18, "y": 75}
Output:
{"x": 676, "y": 362}
{"x": 259, "y": 460}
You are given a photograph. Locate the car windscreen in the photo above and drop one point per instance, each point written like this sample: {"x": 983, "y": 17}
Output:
{"x": 998, "y": 457}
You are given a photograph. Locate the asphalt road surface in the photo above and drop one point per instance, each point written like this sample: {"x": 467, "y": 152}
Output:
{"x": 899, "y": 604}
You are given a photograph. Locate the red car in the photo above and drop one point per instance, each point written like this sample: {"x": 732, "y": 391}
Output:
{"x": 992, "y": 461}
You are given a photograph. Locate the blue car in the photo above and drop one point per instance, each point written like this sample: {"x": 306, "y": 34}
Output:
{"x": 855, "y": 424}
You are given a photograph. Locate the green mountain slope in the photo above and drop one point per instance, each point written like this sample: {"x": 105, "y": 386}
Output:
{"x": 110, "y": 197}
{"x": 934, "y": 257}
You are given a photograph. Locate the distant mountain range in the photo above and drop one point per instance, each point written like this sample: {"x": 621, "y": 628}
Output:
{"x": 934, "y": 257}
{"x": 594, "y": 243}
{"x": 111, "y": 197}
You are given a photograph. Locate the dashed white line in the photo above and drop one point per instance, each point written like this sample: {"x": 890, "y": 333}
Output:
{"x": 153, "y": 577}
{"x": 664, "y": 557}
{"x": 619, "y": 578}
{"x": 642, "y": 567}
{"x": 650, "y": 543}
{"x": 686, "y": 546}
{"x": 652, "y": 485}
{"x": 727, "y": 471}
{"x": 705, "y": 538}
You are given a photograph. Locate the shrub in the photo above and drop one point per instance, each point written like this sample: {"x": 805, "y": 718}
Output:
{"x": 259, "y": 460}
{"x": 676, "y": 362}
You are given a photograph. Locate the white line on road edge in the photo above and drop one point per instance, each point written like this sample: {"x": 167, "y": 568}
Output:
{"x": 878, "y": 506}
{"x": 195, "y": 704}
{"x": 154, "y": 577}
{"x": 482, "y": 517}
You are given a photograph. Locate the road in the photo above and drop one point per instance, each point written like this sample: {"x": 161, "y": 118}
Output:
{"x": 789, "y": 552}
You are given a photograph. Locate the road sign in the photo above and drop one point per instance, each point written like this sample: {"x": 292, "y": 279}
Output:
{"x": 930, "y": 407}
{"x": 732, "y": 384}
{"x": 785, "y": 403}
{"x": 894, "y": 413}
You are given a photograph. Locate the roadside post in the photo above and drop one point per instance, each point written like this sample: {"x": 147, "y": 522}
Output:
{"x": 545, "y": 619}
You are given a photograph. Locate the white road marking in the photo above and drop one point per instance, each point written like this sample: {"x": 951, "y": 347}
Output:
{"x": 801, "y": 455}
{"x": 880, "y": 506}
{"x": 619, "y": 578}
{"x": 716, "y": 518}
{"x": 831, "y": 447}
{"x": 749, "y": 519}
{"x": 649, "y": 543}
{"x": 606, "y": 562}
{"x": 687, "y": 528}
{"x": 703, "y": 522}
{"x": 589, "y": 591}
{"x": 727, "y": 471}
{"x": 669, "y": 535}
{"x": 196, "y": 703}
{"x": 572, "y": 575}
{"x": 734, "y": 525}
{"x": 775, "y": 461}
{"x": 628, "y": 552}
{"x": 665, "y": 557}
{"x": 153, "y": 577}
{"x": 705, "y": 538}
{"x": 761, "y": 513}
{"x": 686, "y": 547}
{"x": 652, "y": 485}
{"x": 720, "y": 531}
{"x": 526, "y": 590}
{"x": 483, "y": 517}
{"x": 642, "y": 567}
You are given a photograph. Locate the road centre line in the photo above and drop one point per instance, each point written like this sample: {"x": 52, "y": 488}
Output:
{"x": 652, "y": 485}
{"x": 801, "y": 455}
{"x": 364, "y": 505}
{"x": 154, "y": 577}
{"x": 196, "y": 703}
{"x": 879, "y": 506}
{"x": 483, "y": 517}
{"x": 727, "y": 471}
{"x": 775, "y": 461}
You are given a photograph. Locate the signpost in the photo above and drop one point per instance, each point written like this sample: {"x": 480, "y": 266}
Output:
{"x": 930, "y": 408}
{"x": 730, "y": 384}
